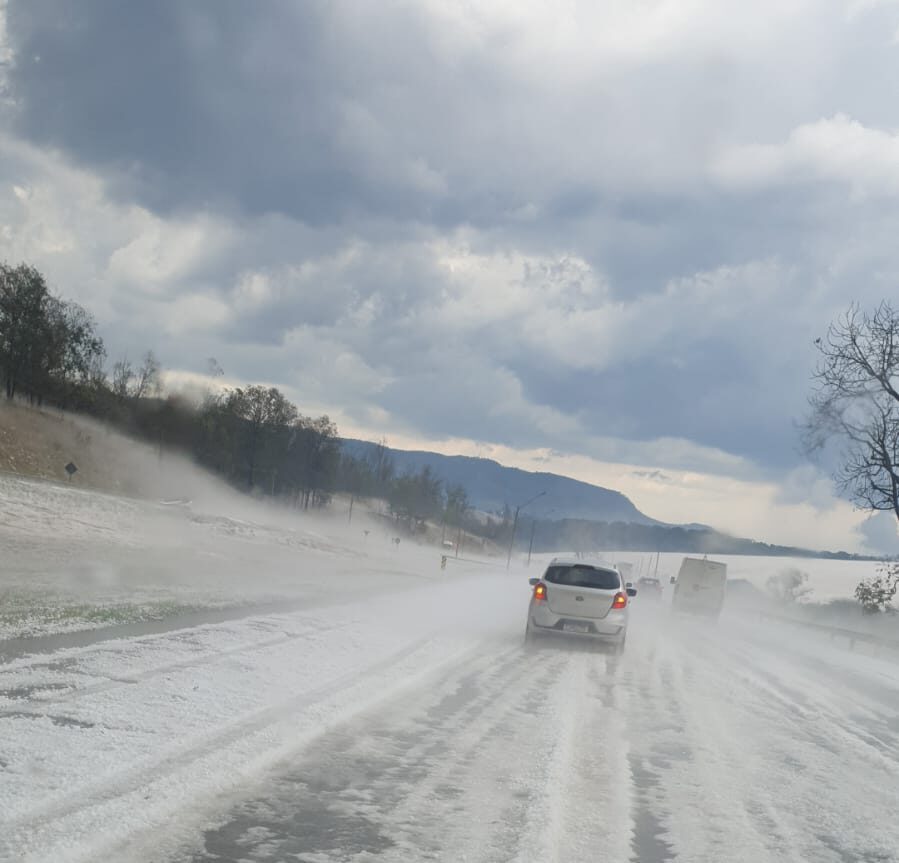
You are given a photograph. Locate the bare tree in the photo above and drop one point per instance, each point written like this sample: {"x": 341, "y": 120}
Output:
{"x": 855, "y": 402}
{"x": 122, "y": 375}
{"x": 147, "y": 380}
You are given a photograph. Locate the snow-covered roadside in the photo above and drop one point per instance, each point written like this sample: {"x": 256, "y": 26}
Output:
{"x": 76, "y": 560}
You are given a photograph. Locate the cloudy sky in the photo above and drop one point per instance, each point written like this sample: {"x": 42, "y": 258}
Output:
{"x": 598, "y": 238}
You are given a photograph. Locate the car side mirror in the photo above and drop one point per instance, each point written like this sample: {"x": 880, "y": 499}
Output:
{"x": 533, "y": 582}
{"x": 632, "y": 591}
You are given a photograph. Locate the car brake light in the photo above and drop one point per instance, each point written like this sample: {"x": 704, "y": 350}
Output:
{"x": 620, "y": 600}
{"x": 540, "y": 592}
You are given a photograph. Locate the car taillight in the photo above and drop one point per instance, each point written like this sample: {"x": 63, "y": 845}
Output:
{"x": 620, "y": 600}
{"x": 540, "y": 592}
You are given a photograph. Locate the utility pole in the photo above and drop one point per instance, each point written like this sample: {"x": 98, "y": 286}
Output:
{"x": 518, "y": 509}
{"x": 531, "y": 543}
{"x": 350, "y": 517}
{"x": 512, "y": 537}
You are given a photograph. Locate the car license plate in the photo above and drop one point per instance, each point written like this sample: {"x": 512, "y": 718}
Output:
{"x": 575, "y": 627}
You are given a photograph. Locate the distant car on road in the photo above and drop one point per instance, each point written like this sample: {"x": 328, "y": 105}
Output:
{"x": 649, "y": 587}
{"x": 579, "y": 599}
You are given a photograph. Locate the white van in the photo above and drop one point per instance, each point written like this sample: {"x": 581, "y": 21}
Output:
{"x": 700, "y": 587}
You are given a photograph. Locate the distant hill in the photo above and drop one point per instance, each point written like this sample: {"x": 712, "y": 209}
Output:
{"x": 584, "y": 535}
{"x": 491, "y": 486}
{"x": 576, "y": 515}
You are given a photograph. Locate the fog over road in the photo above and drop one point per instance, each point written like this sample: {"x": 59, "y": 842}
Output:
{"x": 416, "y": 726}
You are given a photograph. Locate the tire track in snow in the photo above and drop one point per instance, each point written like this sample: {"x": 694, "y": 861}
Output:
{"x": 264, "y": 731}
{"x": 471, "y": 770}
{"x": 386, "y": 776}
{"x": 590, "y": 780}
{"x": 33, "y": 650}
{"x": 21, "y": 690}
{"x": 655, "y": 735}
{"x": 730, "y": 787}
{"x": 810, "y": 688}
{"x": 773, "y": 763}
{"x": 815, "y": 707}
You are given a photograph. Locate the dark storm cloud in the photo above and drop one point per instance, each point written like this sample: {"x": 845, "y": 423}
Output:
{"x": 197, "y": 105}
{"x": 347, "y": 146}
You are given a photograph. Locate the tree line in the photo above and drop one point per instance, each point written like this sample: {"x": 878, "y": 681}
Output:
{"x": 254, "y": 437}
{"x": 415, "y": 498}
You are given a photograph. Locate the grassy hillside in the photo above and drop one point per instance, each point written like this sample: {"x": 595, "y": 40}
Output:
{"x": 39, "y": 443}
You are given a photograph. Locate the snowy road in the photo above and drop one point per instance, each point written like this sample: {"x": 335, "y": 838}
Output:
{"x": 415, "y": 726}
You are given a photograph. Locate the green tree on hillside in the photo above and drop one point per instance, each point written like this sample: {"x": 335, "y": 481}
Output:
{"x": 416, "y": 497}
{"x": 313, "y": 455}
{"x": 457, "y": 505}
{"x": 263, "y": 410}
{"x": 46, "y": 344}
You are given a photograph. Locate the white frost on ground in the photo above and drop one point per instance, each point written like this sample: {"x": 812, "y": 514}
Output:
{"x": 76, "y": 559}
{"x": 406, "y": 693}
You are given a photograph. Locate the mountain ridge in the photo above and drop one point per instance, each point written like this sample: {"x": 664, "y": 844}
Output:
{"x": 491, "y": 486}
{"x": 574, "y": 512}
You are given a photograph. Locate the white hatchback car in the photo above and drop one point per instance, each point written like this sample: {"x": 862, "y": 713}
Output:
{"x": 580, "y": 599}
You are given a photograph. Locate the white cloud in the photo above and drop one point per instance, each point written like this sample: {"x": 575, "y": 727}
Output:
{"x": 837, "y": 149}
{"x": 571, "y": 38}
{"x": 163, "y": 253}
{"x": 881, "y": 534}
{"x": 190, "y": 313}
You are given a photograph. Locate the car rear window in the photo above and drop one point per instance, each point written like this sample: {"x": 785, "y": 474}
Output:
{"x": 583, "y": 576}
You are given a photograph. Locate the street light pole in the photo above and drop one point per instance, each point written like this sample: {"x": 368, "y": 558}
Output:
{"x": 533, "y": 530}
{"x": 518, "y": 509}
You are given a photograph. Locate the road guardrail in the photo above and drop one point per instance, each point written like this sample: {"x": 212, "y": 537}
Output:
{"x": 835, "y": 632}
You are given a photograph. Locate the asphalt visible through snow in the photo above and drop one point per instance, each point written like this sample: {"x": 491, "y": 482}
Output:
{"x": 17, "y": 648}
{"x": 398, "y": 731}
